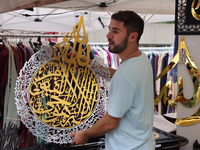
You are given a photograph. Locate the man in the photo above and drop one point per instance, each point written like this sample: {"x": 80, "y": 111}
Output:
{"x": 128, "y": 121}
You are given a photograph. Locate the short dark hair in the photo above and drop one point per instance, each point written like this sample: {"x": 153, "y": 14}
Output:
{"x": 132, "y": 22}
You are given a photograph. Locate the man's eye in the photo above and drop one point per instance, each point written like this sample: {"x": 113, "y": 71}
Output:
{"x": 116, "y": 32}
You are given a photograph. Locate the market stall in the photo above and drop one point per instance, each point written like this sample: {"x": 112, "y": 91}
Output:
{"x": 61, "y": 16}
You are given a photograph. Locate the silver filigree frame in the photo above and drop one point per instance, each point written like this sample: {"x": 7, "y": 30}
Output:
{"x": 38, "y": 128}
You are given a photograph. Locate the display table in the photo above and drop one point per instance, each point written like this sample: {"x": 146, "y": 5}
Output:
{"x": 166, "y": 140}
{"x": 161, "y": 123}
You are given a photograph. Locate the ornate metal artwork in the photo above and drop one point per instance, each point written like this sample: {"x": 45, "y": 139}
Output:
{"x": 57, "y": 94}
{"x": 187, "y": 17}
{"x": 193, "y": 10}
{"x": 62, "y": 94}
{"x": 195, "y": 76}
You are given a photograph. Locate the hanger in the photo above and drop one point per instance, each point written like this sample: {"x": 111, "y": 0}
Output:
{"x": 31, "y": 44}
{"x": 19, "y": 42}
{"x": 39, "y": 41}
{"x": 51, "y": 43}
{"x": 4, "y": 40}
{"x": 39, "y": 44}
{"x": 105, "y": 46}
{"x": 98, "y": 48}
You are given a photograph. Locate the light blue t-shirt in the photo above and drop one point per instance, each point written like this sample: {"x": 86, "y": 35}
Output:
{"x": 131, "y": 99}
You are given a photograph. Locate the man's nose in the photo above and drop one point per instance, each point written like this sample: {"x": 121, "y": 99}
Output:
{"x": 109, "y": 36}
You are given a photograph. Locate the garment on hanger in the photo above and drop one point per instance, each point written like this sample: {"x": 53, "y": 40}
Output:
{"x": 152, "y": 60}
{"x": 13, "y": 59}
{"x": 4, "y": 57}
{"x": 110, "y": 59}
{"x": 173, "y": 72}
{"x": 159, "y": 58}
{"x": 10, "y": 111}
{"x": 16, "y": 58}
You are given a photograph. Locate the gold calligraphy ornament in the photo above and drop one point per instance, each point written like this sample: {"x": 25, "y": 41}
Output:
{"x": 194, "y": 100}
{"x": 156, "y": 135}
{"x": 64, "y": 92}
{"x": 194, "y": 14}
{"x": 188, "y": 121}
{"x": 186, "y": 102}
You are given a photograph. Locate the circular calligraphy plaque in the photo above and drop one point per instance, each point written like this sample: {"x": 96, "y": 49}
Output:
{"x": 57, "y": 94}
{"x": 62, "y": 95}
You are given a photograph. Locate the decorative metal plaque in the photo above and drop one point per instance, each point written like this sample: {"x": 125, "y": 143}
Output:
{"x": 57, "y": 93}
{"x": 187, "y": 17}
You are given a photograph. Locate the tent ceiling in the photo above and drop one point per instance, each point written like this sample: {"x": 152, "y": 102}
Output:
{"x": 61, "y": 20}
{"x": 10, "y": 5}
{"x": 69, "y": 11}
{"x": 139, "y": 6}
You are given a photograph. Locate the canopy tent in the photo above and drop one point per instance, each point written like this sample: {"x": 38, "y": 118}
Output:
{"x": 61, "y": 20}
{"x": 62, "y": 15}
{"x": 139, "y": 6}
{"x": 10, "y": 5}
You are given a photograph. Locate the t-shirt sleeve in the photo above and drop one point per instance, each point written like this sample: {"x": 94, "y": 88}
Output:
{"x": 121, "y": 99}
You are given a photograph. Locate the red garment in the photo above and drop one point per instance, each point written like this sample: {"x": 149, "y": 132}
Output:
{"x": 25, "y": 136}
{"x": 28, "y": 54}
{"x": 20, "y": 58}
{"x": 4, "y": 55}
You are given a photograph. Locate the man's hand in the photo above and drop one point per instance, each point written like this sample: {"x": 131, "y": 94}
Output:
{"x": 84, "y": 59}
{"x": 80, "y": 137}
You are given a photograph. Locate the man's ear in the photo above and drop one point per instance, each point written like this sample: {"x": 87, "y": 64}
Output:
{"x": 133, "y": 36}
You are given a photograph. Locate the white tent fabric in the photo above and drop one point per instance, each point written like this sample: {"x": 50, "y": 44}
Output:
{"x": 10, "y": 5}
{"x": 61, "y": 20}
{"x": 52, "y": 23}
{"x": 139, "y": 6}
{"x": 69, "y": 11}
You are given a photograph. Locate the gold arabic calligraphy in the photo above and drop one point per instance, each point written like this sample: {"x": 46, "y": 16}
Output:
{"x": 64, "y": 91}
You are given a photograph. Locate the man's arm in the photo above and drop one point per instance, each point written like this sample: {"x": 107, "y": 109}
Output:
{"x": 101, "y": 127}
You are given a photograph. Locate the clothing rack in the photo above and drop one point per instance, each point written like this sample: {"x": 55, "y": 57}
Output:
{"x": 101, "y": 44}
{"x": 156, "y": 48}
{"x": 140, "y": 48}
{"x": 32, "y": 35}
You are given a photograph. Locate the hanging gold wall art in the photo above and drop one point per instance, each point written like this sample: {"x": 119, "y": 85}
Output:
{"x": 56, "y": 93}
{"x": 187, "y": 17}
{"x": 194, "y": 100}
{"x": 64, "y": 91}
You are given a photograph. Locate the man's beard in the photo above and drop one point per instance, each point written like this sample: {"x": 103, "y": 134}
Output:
{"x": 119, "y": 48}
